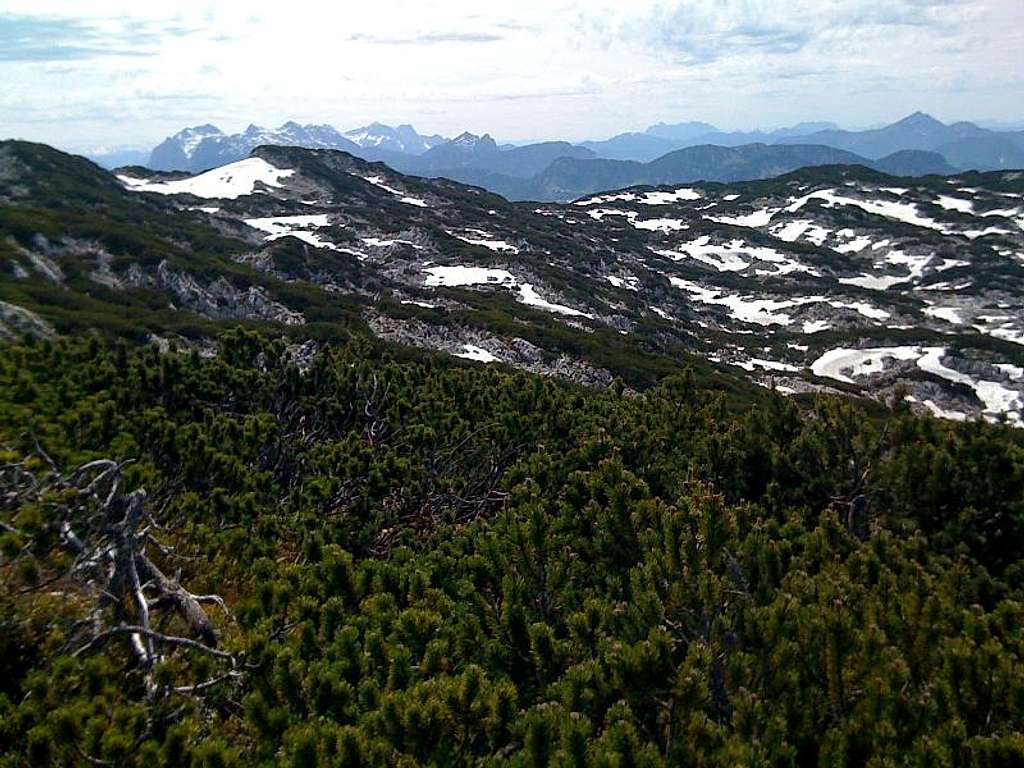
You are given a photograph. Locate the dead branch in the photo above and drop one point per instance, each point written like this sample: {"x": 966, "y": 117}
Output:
{"x": 107, "y": 529}
{"x": 156, "y": 637}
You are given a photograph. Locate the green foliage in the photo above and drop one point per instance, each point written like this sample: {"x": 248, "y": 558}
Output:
{"x": 434, "y": 564}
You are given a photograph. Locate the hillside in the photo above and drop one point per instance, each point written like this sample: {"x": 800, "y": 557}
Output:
{"x": 382, "y": 561}
{"x": 831, "y": 279}
{"x": 307, "y": 462}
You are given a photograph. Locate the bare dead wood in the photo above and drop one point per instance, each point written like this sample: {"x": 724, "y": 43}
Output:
{"x": 108, "y": 529}
{"x": 157, "y": 637}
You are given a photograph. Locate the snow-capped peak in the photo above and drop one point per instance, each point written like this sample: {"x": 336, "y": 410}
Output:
{"x": 189, "y": 138}
{"x": 404, "y": 138}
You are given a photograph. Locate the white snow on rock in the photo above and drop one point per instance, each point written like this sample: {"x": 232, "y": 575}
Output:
{"x": 601, "y": 199}
{"x": 656, "y": 225}
{"x": 458, "y": 276}
{"x": 949, "y": 314}
{"x": 378, "y": 181}
{"x": 943, "y": 413}
{"x": 905, "y": 212}
{"x": 380, "y": 242}
{"x": 462, "y": 276}
{"x": 485, "y": 240}
{"x": 748, "y": 310}
{"x": 278, "y": 226}
{"x": 863, "y": 308}
{"x": 477, "y": 354}
{"x": 974, "y": 234}
{"x": 734, "y": 256}
{"x": 599, "y": 213}
{"x": 756, "y": 219}
{"x": 914, "y": 264}
{"x": 814, "y": 326}
{"x": 664, "y": 198}
{"x": 768, "y": 365}
{"x": 956, "y": 204}
{"x": 724, "y": 258}
{"x": 996, "y": 398}
{"x": 225, "y": 183}
{"x": 294, "y": 226}
{"x": 652, "y": 225}
{"x": 527, "y": 295}
{"x": 854, "y": 244}
{"x": 791, "y": 231}
{"x": 1000, "y": 326}
{"x": 629, "y": 283}
{"x": 847, "y": 364}
{"x": 1014, "y": 372}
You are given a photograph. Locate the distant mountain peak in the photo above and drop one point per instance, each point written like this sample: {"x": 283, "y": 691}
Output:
{"x": 468, "y": 139}
{"x": 204, "y": 128}
{"x": 918, "y": 119}
{"x": 403, "y": 138}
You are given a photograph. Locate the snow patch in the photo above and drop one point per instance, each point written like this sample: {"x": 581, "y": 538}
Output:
{"x": 664, "y": 198}
{"x": 477, "y": 354}
{"x": 756, "y": 219}
{"x": 298, "y": 227}
{"x": 459, "y": 276}
{"x": 225, "y": 183}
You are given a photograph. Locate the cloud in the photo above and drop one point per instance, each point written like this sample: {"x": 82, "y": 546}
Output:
{"x": 430, "y": 38}
{"x": 705, "y": 31}
{"x": 28, "y": 38}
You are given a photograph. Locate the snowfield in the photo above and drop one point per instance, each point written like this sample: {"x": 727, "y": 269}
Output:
{"x": 526, "y": 294}
{"x": 486, "y": 240}
{"x": 664, "y": 198}
{"x": 747, "y": 310}
{"x": 294, "y": 226}
{"x": 904, "y": 212}
{"x": 734, "y": 256}
{"x": 848, "y": 364}
{"x": 756, "y": 219}
{"x": 477, "y": 354}
{"x": 460, "y": 276}
{"x": 228, "y": 182}
{"x": 378, "y": 181}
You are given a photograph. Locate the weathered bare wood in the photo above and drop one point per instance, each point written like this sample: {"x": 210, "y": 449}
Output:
{"x": 107, "y": 529}
{"x": 157, "y": 637}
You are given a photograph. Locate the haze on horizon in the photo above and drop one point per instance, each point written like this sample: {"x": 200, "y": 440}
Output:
{"x": 112, "y": 72}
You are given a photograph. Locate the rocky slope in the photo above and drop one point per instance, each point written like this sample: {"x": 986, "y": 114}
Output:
{"x": 836, "y": 278}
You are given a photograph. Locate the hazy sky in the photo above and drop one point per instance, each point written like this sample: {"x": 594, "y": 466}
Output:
{"x": 95, "y": 72}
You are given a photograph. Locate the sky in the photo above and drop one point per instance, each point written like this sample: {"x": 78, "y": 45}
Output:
{"x": 82, "y": 75}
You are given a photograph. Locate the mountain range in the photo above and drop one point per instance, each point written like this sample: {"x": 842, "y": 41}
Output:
{"x": 567, "y": 177}
{"x": 663, "y": 154}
